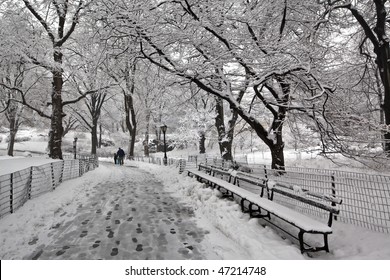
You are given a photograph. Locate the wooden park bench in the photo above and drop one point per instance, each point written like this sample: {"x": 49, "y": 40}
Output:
{"x": 263, "y": 205}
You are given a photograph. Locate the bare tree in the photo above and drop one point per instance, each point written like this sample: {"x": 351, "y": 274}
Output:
{"x": 59, "y": 25}
{"x": 246, "y": 53}
{"x": 150, "y": 91}
{"x": 372, "y": 17}
{"x": 124, "y": 73}
{"x": 70, "y": 123}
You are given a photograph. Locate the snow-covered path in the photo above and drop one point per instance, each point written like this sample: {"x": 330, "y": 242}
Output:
{"x": 127, "y": 216}
{"x": 136, "y": 211}
{"x": 143, "y": 211}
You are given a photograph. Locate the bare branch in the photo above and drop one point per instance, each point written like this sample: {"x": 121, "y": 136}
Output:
{"x": 40, "y": 19}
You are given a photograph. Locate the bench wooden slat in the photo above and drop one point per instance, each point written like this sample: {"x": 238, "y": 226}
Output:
{"x": 317, "y": 195}
{"x": 259, "y": 206}
{"x": 306, "y": 223}
{"x": 301, "y": 198}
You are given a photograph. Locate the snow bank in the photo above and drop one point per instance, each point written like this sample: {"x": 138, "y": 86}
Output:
{"x": 225, "y": 216}
{"x": 347, "y": 241}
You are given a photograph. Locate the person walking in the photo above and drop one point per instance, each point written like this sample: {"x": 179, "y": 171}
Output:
{"x": 121, "y": 155}
{"x": 115, "y": 158}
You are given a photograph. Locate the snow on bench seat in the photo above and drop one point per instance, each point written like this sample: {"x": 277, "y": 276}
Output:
{"x": 299, "y": 220}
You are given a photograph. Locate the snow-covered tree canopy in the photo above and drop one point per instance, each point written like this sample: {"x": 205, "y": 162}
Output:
{"x": 320, "y": 65}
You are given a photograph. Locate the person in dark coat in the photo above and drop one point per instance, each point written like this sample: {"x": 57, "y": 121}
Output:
{"x": 121, "y": 155}
{"x": 115, "y": 158}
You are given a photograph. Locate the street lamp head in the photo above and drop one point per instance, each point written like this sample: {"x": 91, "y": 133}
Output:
{"x": 164, "y": 128}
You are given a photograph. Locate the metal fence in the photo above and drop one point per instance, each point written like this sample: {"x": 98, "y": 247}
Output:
{"x": 177, "y": 162}
{"x": 366, "y": 197}
{"x": 18, "y": 187}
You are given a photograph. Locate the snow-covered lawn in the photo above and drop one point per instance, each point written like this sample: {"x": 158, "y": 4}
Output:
{"x": 12, "y": 164}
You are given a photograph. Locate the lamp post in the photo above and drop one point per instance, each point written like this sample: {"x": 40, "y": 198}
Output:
{"x": 75, "y": 147}
{"x": 164, "y": 130}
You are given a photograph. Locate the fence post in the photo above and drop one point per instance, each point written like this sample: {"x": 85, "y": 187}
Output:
{"x": 11, "y": 193}
{"x": 53, "y": 182}
{"x": 182, "y": 165}
{"x": 266, "y": 180}
{"x": 62, "y": 172}
{"x": 30, "y": 183}
{"x": 334, "y": 193}
{"x": 265, "y": 172}
{"x": 80, "y": 167}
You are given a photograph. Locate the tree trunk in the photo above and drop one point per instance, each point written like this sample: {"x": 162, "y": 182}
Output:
{"x": 146, "y": 141}
{"x": 224, "y": 141}
{"x": 131, "y": 120}
{"x": 226, "y": 150}
{"x": 277, "y": 147}
{"x": 57, "y": 110}
{"x": 382, "y": 51}
{"x": 380, "y": 41}
{"x": 130, "y": 124}
{"x": 11, "y": 143}
{"x": 202, "y": 142}
{"x": 11, "y": 115}
{"x": 277, "y": 154}
{"x": 100, "y": 136}
{"x": 132, "y": 142}
{"x": 94, "y": 138}
{"x": 384, "y": 69}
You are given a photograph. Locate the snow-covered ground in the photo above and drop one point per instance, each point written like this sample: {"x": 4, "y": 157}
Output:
{"x": 12, "y": 164}
{"x": 219, "y": 217}
{"x": 347, "y": 242}
{"x": 31, "y": 140}
{"x": 232, "y": 235}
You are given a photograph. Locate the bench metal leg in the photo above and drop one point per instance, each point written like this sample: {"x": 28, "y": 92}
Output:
{"x": 301, "y": 245}
{"x": 227, "y": 194}
{"x": 257, "y": 213}
{"x": 242, "y": 205}
{"x": 326, "y": 246}
{"x": 313, "y": 249}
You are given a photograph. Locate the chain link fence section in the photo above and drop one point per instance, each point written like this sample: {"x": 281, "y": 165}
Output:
{"x": 18, "y": 187}
{"x": 366, "y": 197}
{"x": 177, "y": 162}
